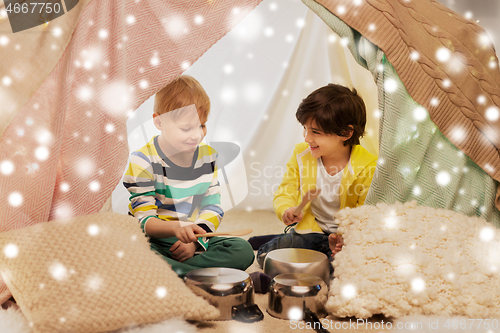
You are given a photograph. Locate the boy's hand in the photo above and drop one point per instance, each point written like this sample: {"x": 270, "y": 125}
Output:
{"x": 182, "y": 252}
{"x": 335, "y": 241}
{"x": 289, "y": 218}
{"x": 187, "y": 233}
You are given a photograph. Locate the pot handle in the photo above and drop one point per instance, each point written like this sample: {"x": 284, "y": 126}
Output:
{"x": 311, "y": 317}
{"x": 247, "y": 313}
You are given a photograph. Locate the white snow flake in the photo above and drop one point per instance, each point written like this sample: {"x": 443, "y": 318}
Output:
{"x": 143, "y": 84}
{"x": 116, "y": 98}
{"x": 228, "y": 69}
{"x": 93, "y": 230}
{"x": 492, "y": 113}
{"x": 85, "y": 93}
{"x": 15, "y": 199}
{"x": 11, "y": 250}
{"x": 57, "y": 31}
{"x": 58, "y": 271}
{"x": 161, "y": 292}
{"x": 419, "y": 114}
{"x": 103, "y": 34}
{"x": 130, "y": 19}
{"x": 42, "y": 153}
{"x": 64, "y": 187}
{"x": 175, "y": 25}
{"x": 443, "y": 178}
{"x": 487, "y": 234}
{"x": 348, "y": 291}
{"x": 94, "y": 186}
{"x": 7, "y": 81}
{"x": 198, "y": 19}
{"x": 110, "y": 128}
{"x": 94, "y": 283}
{"x": 4, "y": 40}
{"x": 390, "y": 85}
{"x": 155, "y": 61}
{"x": 417, "y": 284}
{"x": 443, "y": 54}
{"x": 7, "y": 167}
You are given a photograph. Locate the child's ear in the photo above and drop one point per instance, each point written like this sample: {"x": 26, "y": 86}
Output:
{"x": 157, "y": 120}
{"x": 347, "y": 134}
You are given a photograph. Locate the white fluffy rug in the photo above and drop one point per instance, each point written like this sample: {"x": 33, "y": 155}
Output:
{"x": 402, "y": 260}
{"x": 12, "y": 320}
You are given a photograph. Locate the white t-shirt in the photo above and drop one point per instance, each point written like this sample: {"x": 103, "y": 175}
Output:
{"x": 327, "y": 203}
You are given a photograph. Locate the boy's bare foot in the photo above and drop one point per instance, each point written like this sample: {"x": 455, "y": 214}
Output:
{"x": 335, "y": 241}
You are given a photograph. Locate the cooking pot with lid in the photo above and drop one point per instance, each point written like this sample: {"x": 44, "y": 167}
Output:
{"x": 229, "y": 290}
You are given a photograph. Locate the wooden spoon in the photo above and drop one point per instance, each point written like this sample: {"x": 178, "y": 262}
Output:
{"x": 241, "y": 232}
{"x": 308, "y": 196}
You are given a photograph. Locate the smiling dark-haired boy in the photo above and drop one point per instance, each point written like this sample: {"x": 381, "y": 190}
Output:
{"x": 331, "y": 159}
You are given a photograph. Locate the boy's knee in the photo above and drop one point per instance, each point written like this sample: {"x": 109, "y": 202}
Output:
{"x": 243, "y": 251}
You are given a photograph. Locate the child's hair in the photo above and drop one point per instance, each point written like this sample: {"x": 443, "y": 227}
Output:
{"x": 183, "y": 91}
{"x": 335, "y": 108}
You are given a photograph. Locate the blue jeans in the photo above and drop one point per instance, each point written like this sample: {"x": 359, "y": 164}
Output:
{"x": 312, "y": 241}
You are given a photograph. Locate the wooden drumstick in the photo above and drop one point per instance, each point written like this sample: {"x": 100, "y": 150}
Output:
{"x": 308, "y": 196}
{"x": 241, "y": 232}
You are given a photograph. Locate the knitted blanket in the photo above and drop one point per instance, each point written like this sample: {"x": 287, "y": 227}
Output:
{"x": 416, "y": 161}
{"x": 66, "y": 147}
{"x": 28, "y": 57}
{"x": 446, "y": 63}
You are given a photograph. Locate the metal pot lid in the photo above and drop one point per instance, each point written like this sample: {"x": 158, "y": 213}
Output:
{"x": 217, "y": 275}
{"x": 228, "y": 289}
{"x": 298, "y": 279}
{"x": 292, "y": 255}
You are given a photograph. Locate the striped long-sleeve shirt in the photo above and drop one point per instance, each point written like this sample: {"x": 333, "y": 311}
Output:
{"x": 159, "y": 188}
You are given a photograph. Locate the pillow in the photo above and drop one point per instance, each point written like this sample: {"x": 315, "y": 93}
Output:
{"x": 91, "y": 274}
{"x": 410, "y": 260}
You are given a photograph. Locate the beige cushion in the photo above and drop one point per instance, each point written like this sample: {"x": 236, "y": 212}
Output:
{"x": 91, "y": 274}
{"x": 409, "y": 260}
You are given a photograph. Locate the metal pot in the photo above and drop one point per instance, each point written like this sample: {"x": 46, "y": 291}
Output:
{"x": 229, "y": 290}
{"x": 292, "y": 260}
{"x": 292, "y": 295}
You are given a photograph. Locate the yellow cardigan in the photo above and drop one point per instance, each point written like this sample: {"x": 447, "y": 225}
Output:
{"x": 300, "y": 176}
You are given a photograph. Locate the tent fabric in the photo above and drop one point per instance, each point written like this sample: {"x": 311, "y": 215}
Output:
{"x": 445, "y": 63}
{"x": 65, "y": 150}
{"x": 316, "y": 59}
{"x": 416, "y": 161}
{"x": 28, "y": 57}
{"x": 282, "y": 73}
